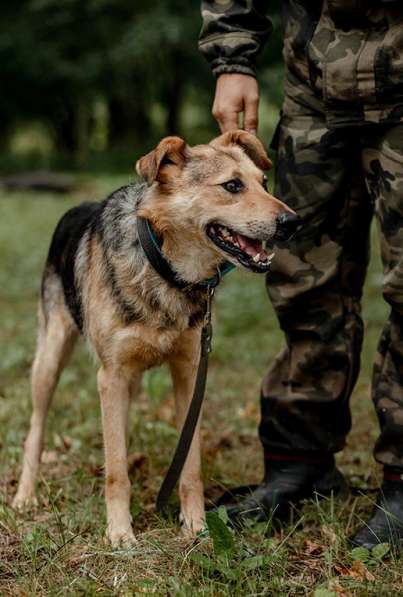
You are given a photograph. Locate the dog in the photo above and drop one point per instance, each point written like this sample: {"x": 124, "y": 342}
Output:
{"x": 206, "y": 205}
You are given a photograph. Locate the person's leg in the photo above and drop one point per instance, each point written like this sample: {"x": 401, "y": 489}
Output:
{"x": 383, "y": 163}
{"x": 315, "y": 286}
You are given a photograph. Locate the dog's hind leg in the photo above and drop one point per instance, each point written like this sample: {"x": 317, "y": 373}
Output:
{"x": 115, "y": 386}
{"x": 56, "y": 335}
{"x": 183, "y": 365}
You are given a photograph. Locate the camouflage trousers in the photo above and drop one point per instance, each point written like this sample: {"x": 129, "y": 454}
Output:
{"x": 336, "y": 179}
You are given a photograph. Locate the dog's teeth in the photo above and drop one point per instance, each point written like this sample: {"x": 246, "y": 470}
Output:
{"x": 256, "y": 258}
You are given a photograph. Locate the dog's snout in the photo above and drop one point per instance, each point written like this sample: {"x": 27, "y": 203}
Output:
{"x": 287, "y": 224}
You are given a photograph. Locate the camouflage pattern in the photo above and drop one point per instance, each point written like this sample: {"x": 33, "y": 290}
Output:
{"x": 350, "y": 52}
{"x": 344, "y": 63}
{"x": 316, "y": 286}
{"x": 383, "y": 165}
{"x": 233, "y": 34}
{"x": 335, "y": 179}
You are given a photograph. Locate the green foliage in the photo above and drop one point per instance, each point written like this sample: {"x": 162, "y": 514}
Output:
{"x": 58, "y": 549}
{"x": 223, "y": 540}
{"x": 322, "y": 592}
{"x": 360, "y": 553}
{"x": 102, "y": 74}
{"x": 370, "y": 556}
{"x": 380, "y": 551}
{"x": 232, "y": 558}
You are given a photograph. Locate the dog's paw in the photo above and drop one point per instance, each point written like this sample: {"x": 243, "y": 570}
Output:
{"x": 121, "y": 537}
{"x": 192, "y": 527}
{"x": 24, "y": 501}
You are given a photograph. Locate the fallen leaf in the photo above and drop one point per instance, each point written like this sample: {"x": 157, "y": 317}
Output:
{"x": 313, "y": 548}
{"x": 361, "y": 572}
{"x": 342, "y": 570}
{"x": 358, "y": 570}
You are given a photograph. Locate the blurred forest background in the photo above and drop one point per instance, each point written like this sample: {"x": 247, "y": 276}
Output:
{"x": 87, "y": 87}
{"x": 90, "y": 85}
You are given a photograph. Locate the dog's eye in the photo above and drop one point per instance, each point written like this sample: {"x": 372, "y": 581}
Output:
{"x": 233, "y": 186}
{"x": 264, "y": 183}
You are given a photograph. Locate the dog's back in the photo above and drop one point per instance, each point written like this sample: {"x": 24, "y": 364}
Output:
{"x": 63, "y": 252}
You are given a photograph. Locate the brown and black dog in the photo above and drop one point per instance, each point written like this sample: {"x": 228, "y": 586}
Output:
{"x": 206, "y": 204}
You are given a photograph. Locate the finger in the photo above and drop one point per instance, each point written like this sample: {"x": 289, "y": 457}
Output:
{"x": 227, "y": 120}
{"x": 251, "y": 119}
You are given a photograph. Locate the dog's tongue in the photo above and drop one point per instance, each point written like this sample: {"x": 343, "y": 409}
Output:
{"x": 251, "y": 246}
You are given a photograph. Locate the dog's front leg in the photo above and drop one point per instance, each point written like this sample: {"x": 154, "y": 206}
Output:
{"x": 114, "y": 391}
{"x": 183, "y": 364}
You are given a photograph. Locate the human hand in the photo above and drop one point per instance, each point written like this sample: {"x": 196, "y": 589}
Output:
{"x": 236, "y": 94}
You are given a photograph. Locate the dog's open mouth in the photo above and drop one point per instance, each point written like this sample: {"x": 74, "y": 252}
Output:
{"x": 249, "y": 252}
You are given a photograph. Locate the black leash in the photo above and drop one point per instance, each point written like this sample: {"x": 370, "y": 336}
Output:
{"x": 192, "y": 417}
{"x": 162, "y": 266}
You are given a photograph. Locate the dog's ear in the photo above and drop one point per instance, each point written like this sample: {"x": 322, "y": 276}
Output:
{"x": 250, "y": 144}
{"x": 170, "y": 151}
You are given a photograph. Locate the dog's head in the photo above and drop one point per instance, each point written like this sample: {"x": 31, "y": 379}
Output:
{"x": 214, "y": 198}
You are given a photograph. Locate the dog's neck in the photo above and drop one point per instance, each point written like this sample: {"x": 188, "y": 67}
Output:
{"x": 194, "y": 264}
{"x": 192, "y": 258}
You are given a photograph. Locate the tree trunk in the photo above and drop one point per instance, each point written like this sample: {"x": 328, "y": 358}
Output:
{"x": 129, "y": 119}
{"x": 63, "y": 123}
{"x": 71, "y": 126}
{"x": 174, "y": 96}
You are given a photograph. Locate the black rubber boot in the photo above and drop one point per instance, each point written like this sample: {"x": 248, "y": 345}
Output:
{"x": 288, "y": 480}
{"x": 386, "y": 521}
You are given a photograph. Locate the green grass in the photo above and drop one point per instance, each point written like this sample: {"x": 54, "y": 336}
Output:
{"x": 59, "y": 549}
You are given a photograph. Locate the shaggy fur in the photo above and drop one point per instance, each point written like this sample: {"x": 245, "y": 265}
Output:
{"x": 97, "y": 281}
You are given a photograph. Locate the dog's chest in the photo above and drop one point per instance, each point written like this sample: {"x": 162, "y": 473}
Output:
{"x": 144, "y": 345}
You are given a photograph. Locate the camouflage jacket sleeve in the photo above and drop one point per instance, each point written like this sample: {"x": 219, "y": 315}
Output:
{"x": 233, "y": 34}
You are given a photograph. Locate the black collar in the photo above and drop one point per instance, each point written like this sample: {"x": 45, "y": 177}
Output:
{"x": 162, "y": 266}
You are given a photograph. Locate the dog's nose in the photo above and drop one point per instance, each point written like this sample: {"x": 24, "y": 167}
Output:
{"x": 287, "y": 224}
